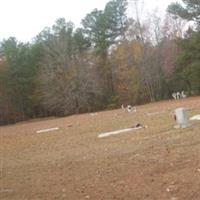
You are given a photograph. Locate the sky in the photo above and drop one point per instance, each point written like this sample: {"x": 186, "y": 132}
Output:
{"x": 24, "y": 19}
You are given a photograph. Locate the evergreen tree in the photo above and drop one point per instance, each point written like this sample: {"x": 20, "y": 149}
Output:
{"x": 188, "y": 64}
{"x": 188, "y": 10}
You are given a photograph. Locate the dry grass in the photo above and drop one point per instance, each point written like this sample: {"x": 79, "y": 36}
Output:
{"x": 156, "y": 163}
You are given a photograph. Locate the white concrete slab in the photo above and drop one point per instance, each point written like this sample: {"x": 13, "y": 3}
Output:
{"x": 47, "y": 130}
{"x": 102, "y": 135}
{"x": 196, "y": 117}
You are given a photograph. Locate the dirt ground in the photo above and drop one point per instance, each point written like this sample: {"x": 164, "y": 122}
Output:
{"x": 156, "y": 163}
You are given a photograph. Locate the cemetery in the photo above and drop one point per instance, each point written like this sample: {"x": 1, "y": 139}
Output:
{"x": 65, "y": 158}
{"x": 100, "y": 100}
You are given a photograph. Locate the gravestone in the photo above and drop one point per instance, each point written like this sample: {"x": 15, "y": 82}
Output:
{"x": 181, "y": 118}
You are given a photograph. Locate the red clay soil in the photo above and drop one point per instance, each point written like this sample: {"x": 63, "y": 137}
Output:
{"x": 156, "y": 163}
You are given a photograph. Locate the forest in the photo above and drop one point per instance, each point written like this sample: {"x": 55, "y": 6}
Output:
{"x": 111, "y": 59}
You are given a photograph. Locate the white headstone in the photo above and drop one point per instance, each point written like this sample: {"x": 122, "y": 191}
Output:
{"x": 183, "y": 95}
{"x": 174, "y": 95}
{"x": 181, "y": 118}
{"x": 178, "y": 95}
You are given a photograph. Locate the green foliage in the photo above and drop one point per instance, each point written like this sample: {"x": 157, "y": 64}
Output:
{"x": 80, "y": 41}
{"x": 187, "y": 72}
{"x": 105, "y": 28}
{"x": 188, "y": 10}
{"x": 22, "y": 61}
{"x": 95, "y": 29}
{"x": 188, "y": 63}
{"x": 116, "y": 19}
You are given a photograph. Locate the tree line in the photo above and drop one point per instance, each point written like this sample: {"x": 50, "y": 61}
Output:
{"x": 111, "y": 60}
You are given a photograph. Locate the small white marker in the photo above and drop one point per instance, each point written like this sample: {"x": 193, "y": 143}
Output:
{"x": 47, "y": 130}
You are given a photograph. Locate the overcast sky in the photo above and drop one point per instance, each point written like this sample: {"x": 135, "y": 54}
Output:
{"x": 24, "y": 19}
